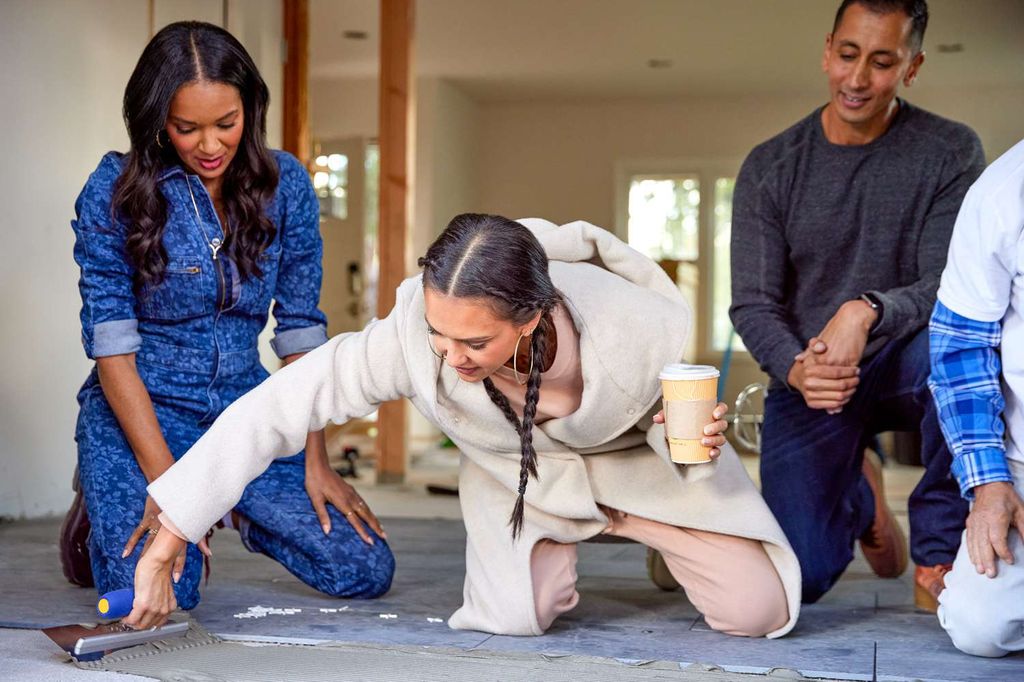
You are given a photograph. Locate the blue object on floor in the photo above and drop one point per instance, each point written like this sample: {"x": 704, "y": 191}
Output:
{"x": 116, "y": 604}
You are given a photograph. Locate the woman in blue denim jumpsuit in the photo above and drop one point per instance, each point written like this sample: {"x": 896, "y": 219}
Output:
{"x": 191, "y": 334}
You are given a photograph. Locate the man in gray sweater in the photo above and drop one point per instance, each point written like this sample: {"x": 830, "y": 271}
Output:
{"x": 840, "y": 230}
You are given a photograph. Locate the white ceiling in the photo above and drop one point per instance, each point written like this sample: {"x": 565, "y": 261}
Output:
{"x": 500, "y": 50}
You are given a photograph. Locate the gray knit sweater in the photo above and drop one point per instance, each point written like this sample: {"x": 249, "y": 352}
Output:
{"x": 816, "y": 224}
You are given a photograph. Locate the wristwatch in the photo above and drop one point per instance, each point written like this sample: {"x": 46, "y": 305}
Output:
{"x": 876, "y": 305}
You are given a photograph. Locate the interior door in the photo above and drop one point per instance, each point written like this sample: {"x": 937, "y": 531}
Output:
{"x": 340, "y": 181}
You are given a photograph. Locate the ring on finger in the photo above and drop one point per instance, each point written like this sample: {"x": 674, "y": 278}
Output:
{"x": 349, "y": 513}
{"x": 152, "y": 531}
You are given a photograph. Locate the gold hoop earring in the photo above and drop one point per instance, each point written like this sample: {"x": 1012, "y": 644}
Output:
{"x": 430, "y": 344}
{"x": 158, "y": 142}
{"x": 515, "y": 358}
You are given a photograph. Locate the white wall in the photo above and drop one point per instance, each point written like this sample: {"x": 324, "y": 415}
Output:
{"x": 557, "y": 160}
{"x": 343, "y": 107}
{"x": 446, "y": 134}
{"x": 258, "y": 25}
{"x": 65, "y": 67}
{"x": 66, "y": 64}
{"x": 448, "y": 129}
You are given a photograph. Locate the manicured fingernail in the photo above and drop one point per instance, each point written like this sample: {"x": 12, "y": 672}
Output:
{"x": 384, "y": 535}
{"x": 327, "y": 529}
{"x": 124, "y": 554}
{"x": 177, "y": 576}
{"x": 371, "y": 541}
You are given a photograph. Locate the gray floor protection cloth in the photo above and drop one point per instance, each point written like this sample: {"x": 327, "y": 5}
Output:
{"x": 864, "y": 629}
{"x": 202, "y": 657}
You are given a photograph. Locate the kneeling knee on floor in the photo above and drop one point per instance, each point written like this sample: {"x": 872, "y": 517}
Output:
{"x": 762, "y": 612}
{"x": 365, "y": 576}
{"x": 755, "y": 620}
{"x": 979, "y": 634}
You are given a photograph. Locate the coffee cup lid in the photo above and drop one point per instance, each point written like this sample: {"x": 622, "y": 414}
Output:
{"x": 681, "y": 372}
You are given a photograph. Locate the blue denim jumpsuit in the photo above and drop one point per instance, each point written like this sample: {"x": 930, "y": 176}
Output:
{"x": 194, "y": 337}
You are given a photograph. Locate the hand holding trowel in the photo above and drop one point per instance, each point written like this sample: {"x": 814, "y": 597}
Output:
{"x": 87, "y": 642}
{"x": 91, "y": 641}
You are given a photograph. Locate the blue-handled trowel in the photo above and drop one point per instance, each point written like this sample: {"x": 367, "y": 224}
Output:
{"x": 90, "y": 641}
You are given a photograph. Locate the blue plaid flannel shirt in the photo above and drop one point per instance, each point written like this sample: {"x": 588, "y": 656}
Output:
{"x": 965, "y": 383}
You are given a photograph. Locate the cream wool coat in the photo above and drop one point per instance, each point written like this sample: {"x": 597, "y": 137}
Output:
{"x": 631, "y": 319}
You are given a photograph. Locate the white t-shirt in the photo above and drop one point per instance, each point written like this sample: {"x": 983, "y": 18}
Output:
{"x": 984, "y": 275}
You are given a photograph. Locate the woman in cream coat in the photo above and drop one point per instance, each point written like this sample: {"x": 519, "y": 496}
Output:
{"x": 500, "y": 304}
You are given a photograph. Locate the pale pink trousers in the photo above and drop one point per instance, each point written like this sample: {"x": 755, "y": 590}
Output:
{"x": 730, "y": 580}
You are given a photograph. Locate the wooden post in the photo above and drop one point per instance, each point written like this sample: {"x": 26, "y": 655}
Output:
{"x": 295, "y": 114}
{"x": 396, "y": 34}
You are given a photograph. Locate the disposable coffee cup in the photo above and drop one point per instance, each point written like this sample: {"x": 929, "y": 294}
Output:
{"x": 690, "y": 394}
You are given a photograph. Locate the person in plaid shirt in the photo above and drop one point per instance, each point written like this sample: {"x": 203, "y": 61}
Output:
{"x": 976, "y": 337}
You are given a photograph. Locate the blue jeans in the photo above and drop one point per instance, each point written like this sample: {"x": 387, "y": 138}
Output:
{"x": 811, "y": 467}
{"x": 280, "y": 520}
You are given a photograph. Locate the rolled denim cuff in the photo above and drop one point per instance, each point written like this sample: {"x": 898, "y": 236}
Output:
{"x": 300, "y": 340}
{"x": 116, "y": 337}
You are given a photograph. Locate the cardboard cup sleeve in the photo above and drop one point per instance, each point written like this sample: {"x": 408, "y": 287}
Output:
{"x": 689, "y": 406}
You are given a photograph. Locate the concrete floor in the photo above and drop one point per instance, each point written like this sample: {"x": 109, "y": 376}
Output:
{"x": 864, "y": 629}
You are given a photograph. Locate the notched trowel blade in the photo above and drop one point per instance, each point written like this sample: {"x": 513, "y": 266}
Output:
{"x": 90, "y": 641}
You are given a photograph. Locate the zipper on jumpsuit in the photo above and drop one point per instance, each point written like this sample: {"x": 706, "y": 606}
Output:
{"x": 215, "y": 245}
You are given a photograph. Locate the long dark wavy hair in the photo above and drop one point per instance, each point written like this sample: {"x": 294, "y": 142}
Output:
{"x": 498, "y": 260}
{"x": 182, "y": 53}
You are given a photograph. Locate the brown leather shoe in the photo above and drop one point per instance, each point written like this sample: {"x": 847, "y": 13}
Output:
{"x": 74, "y": 540}
{"x": 929, "y": 582}
{"x": 883, "y": 544}
{"x": 657, "y": 571}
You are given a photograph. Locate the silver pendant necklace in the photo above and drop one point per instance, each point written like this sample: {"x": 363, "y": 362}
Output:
{"x": 214, "y": 243}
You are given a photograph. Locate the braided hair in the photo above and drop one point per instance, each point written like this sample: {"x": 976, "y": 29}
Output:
{"x": 498, "y": 260}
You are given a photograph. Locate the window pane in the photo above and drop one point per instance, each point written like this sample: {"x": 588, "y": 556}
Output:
{"x": 664, "y": 224}
{"x": 664, "y": 216}
{"x": 330, "y": 179}
{"x": 721, "y": 286}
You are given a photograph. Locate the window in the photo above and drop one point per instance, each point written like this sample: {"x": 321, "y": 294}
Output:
{"x": 664, "y": 224}
{"x": 330, "y": 180}
{"x": 680, "y": 215}
{"x": 721, "y": 273}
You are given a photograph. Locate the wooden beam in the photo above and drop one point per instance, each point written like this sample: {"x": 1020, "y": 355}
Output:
{"x": 396, "y": 35}
{"x": 295, "y": 101}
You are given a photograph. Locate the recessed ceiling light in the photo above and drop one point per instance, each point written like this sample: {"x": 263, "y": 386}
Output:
{"x": 356, "y": 35}
{"x": 950, "y": 48}
{"x": 659, "y": 63}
